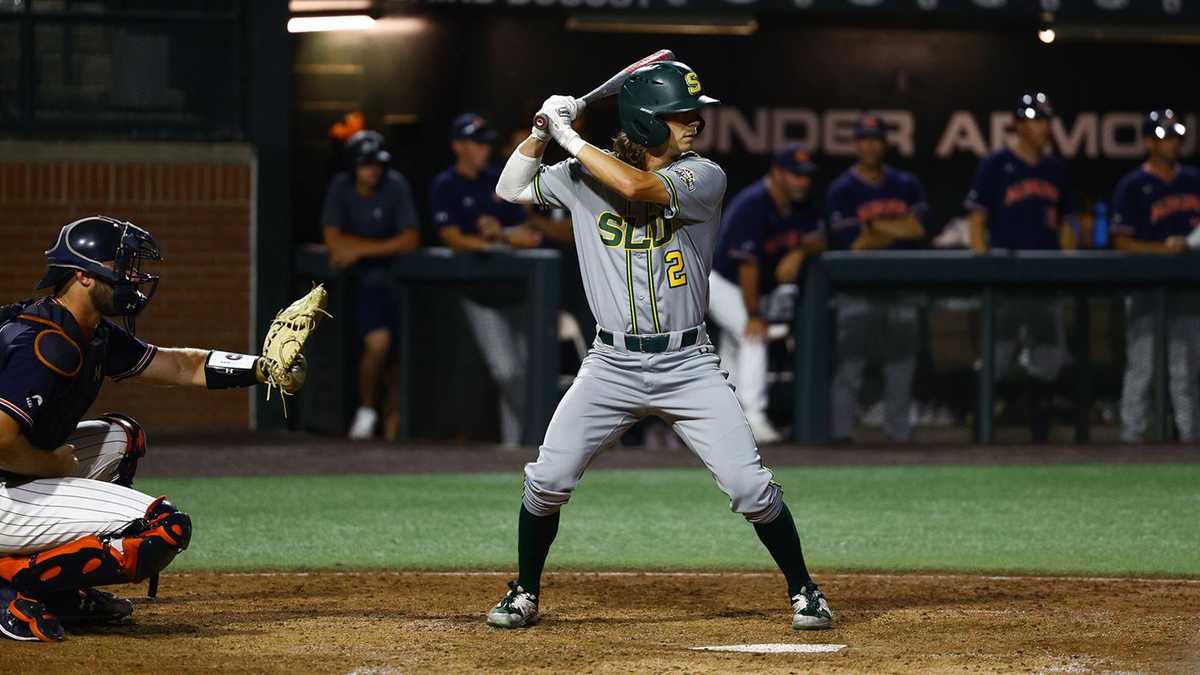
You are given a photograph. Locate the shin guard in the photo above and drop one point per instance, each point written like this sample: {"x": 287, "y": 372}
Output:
{"x": 137, "y": 552}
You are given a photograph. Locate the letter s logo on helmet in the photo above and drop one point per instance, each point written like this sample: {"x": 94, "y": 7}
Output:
{"x": 656, "y": 90}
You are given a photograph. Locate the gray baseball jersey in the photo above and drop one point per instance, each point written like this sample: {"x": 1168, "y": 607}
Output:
{"x": 645, "y": 270}
{"x": 645, "y": 266}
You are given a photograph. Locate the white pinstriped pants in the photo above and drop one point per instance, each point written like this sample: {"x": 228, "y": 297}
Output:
{"x": 48, "y": 512}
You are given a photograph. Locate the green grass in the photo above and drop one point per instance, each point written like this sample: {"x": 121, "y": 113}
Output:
{"x": 1114, "y": 519}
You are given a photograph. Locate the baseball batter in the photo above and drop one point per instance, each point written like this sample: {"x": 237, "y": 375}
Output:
{"x": 645, "y": 222}
{"x": 69, "y": 519}
{"x": 1155, "y": 208}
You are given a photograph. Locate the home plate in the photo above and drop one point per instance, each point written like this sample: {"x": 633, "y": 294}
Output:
{"x": 774, "y": 648}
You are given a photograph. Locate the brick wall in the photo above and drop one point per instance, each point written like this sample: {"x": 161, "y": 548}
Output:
{"x": 197, "y": 201}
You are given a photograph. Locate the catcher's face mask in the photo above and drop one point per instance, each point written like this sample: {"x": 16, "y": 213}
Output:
{"x": 133, "y": 288}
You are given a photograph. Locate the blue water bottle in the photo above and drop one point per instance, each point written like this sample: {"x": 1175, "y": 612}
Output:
{"x": 1100, "y": 226}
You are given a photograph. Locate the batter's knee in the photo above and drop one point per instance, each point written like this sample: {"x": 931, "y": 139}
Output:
{"x": 756, "y": 497}
{"x": 135, "y": 446}
{"x": 547, "y": 487}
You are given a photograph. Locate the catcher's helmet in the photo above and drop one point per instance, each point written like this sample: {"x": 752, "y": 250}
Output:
{"x": 366, "y": 147}
{"x": 654, "y": 90}
{"x": 1163, "y": 124}
{"x": 86, "y": 244}
{"x": 1033, "y": 106}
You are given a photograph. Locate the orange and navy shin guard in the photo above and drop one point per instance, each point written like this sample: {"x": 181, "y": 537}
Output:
{"x": 137, "y": 552}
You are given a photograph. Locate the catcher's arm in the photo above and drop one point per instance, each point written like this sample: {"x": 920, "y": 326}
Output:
{"x": 185, "y": 366}
{"x": 282, "y": 365}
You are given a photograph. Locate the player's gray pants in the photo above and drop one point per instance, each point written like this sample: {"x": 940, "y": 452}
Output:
{"x": 884, "y": 330}
{"x": 1031, "y": 334}
{"x": 48, "y": 512}
{"x": 687, "y": 389}
{"x": 1183, "y": 329}
{"x": 500, "y": 334}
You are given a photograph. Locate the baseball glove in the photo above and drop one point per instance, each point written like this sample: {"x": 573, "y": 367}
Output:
{"x": 283, "y": 365}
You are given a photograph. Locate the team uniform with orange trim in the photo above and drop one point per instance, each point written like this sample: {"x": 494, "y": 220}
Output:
{"x": 61, "y": 537}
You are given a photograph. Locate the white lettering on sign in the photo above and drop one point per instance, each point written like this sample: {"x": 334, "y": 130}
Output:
{"x": 1087, "y": 135}
{"x": 729, "y": 130}
{"x": 961, "y": 135}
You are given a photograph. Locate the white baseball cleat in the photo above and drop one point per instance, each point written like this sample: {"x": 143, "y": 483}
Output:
{"x": 363, "y": 426}
{"x": 517, "y": 610}
{"x": 810, "y": 610}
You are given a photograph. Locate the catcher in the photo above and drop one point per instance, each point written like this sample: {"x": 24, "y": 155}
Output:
{"x": 69, "y": 518}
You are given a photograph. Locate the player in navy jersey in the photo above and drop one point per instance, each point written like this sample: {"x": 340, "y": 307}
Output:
{"x": 367, "y": 218}
{"x": 767, "y": 231}
{"x": 1021, "y": 200}
{"x": 469, "y": 218}
{"x": 1155, "y": 207}
{"x": 873, "y": 206}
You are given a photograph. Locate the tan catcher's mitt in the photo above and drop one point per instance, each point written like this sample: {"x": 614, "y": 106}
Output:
{"x": 283, "y": 365}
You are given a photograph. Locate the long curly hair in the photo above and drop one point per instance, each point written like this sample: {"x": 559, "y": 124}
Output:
{"x": 629, "y": 152}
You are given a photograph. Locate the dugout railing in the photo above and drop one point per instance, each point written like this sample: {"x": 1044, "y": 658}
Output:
{"x": 1075, "y": 275}
{"x": 331, "y": 378}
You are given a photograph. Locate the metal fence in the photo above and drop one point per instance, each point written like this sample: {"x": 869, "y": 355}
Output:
{"x": 123, "y": 69}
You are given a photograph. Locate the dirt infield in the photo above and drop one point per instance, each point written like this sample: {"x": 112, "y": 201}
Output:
{"x": 391, "y": 623}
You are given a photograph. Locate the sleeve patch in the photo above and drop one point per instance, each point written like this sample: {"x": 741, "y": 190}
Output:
{"x": 687, "y": 176}
{"x": 58, "y": 352}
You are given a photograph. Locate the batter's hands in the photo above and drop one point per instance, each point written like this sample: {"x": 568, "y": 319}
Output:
{"x": 561, "y": 111}
{"x": 1176, "y": 244}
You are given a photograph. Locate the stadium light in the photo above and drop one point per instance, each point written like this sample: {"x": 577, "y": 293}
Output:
{"x": 1046, "y": 35}
{"x": 302, "y": 6}
{"x": 315, "y": 24}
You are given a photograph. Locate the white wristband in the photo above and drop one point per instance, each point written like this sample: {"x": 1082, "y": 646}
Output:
{"x": 574, "y": 144}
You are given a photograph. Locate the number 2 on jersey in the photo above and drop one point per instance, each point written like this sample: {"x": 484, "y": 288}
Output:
{"x": 675, "y": 274}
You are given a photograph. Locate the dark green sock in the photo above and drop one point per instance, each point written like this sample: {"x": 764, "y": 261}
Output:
{"x": 782, "y": 540}
{"x": 534, "y": 536}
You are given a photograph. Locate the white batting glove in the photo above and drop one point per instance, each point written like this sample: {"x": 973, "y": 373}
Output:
{"x": 564, "y": 135}
{"x": 542, "y": 135}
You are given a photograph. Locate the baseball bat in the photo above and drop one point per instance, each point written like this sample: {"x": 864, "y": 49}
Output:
{"x": 611, "y": 86}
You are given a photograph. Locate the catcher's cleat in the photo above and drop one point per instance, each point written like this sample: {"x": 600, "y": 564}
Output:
{"x": 810, "y": 610}
{"x": 88, "y": 605}
{"x": 26, "y": 619}
{"x": 518, "y": 609}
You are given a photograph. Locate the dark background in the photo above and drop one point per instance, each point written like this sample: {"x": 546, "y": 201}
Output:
{"x": 410, "y": 76}
{"x": 145, "y": 71}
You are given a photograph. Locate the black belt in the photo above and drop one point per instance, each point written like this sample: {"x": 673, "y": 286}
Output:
{"x": 651, "y": 343}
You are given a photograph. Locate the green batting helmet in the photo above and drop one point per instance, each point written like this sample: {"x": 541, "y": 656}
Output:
{"x": 655, "y": 90}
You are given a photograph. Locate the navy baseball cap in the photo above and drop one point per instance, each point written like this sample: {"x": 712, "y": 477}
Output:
{"x": 471, "y": 127}
{"x": 1163, "y": 124}
{"x": 870, "y": 125}
{"x": 794, "y": 159}
{"x": 1034, "y": 106}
